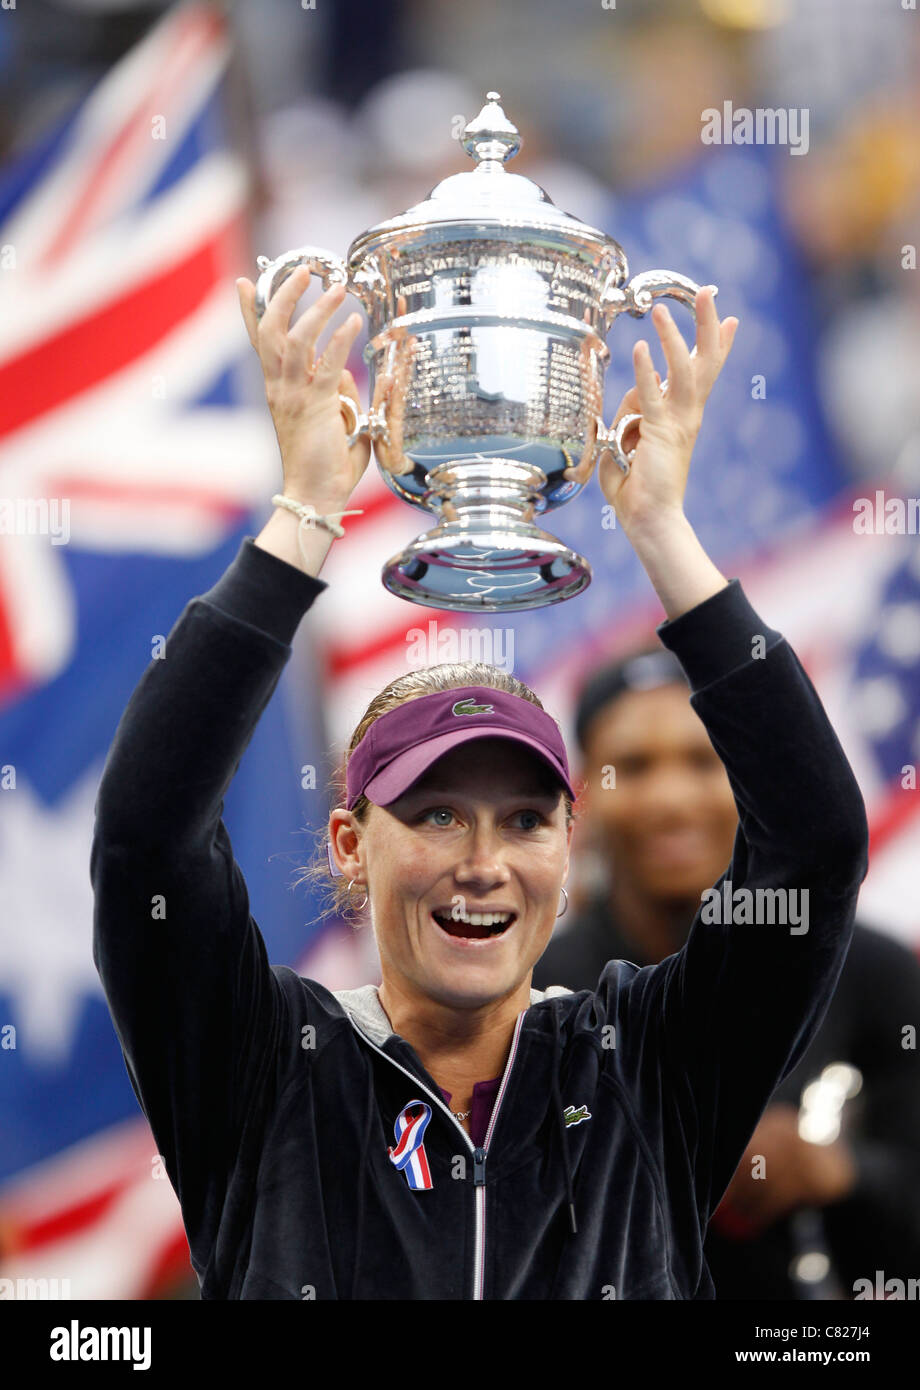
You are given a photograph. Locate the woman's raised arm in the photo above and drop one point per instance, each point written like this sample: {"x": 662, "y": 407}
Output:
{"x": 303, "y": 390}
{"x": 649, "y": 503}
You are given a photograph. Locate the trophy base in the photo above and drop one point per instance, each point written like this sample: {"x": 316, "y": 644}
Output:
{"x": 513, "y": 567}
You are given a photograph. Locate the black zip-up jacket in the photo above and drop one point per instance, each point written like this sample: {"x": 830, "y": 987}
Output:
{"x": 273, "y": 1100}
{"x": 877, "y": 1224}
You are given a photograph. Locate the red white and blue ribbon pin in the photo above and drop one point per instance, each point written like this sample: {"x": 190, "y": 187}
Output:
{"x": 409, "y": 1153}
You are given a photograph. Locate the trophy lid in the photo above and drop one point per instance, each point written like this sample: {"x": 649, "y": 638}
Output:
{"x": 487, "y": 193}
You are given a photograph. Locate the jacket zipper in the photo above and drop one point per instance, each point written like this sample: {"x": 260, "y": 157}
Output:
{"x": 479, "y": 1154}
{"x": 479, "y": 1171}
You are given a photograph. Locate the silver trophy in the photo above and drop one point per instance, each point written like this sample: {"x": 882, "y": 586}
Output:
{"x": 488, "y": 308}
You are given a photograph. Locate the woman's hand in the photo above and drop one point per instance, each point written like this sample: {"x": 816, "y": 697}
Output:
{"x": 303, "y": 391}
{"x": 670, "y": 423}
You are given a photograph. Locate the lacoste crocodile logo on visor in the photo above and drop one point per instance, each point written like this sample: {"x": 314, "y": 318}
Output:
{"x": 469, "y": 706}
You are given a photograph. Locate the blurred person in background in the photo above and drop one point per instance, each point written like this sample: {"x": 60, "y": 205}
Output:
{"x": 660, "y": 823}
{"x": 854, "y": 208}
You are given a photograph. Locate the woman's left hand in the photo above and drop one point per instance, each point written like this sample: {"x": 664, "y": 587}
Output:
{"x": 670, "y": 423}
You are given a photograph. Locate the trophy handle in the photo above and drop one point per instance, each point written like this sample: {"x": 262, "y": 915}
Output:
{"x": 637, "y": 298}
{"x": 333, "y": 271}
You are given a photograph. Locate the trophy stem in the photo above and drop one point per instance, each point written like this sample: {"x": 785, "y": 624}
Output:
{"x": 465, "y": 486}
{"x": 486, "y": 555}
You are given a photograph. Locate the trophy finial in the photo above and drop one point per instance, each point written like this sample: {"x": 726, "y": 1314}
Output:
{"x": 491, "y": 136}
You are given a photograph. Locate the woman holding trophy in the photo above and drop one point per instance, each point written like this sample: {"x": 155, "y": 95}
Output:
{"x": 452, "y": 1133}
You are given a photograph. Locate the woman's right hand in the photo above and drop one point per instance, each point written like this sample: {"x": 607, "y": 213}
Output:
{"x": 303, "y": 391}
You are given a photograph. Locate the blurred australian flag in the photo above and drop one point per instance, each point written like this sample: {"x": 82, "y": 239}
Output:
{"x": 131, "y": 469}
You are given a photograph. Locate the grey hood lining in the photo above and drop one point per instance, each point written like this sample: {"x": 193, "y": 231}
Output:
{"x": 364, "y": 1006}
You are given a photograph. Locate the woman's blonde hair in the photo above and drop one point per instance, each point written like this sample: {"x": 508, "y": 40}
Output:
{"x": 450, "y": 675}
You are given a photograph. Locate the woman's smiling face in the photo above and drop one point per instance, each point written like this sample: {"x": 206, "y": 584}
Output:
{"x": 482, "y": 830}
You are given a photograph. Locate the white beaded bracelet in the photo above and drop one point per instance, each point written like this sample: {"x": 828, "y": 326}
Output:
{"x": 309, "y": 516}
